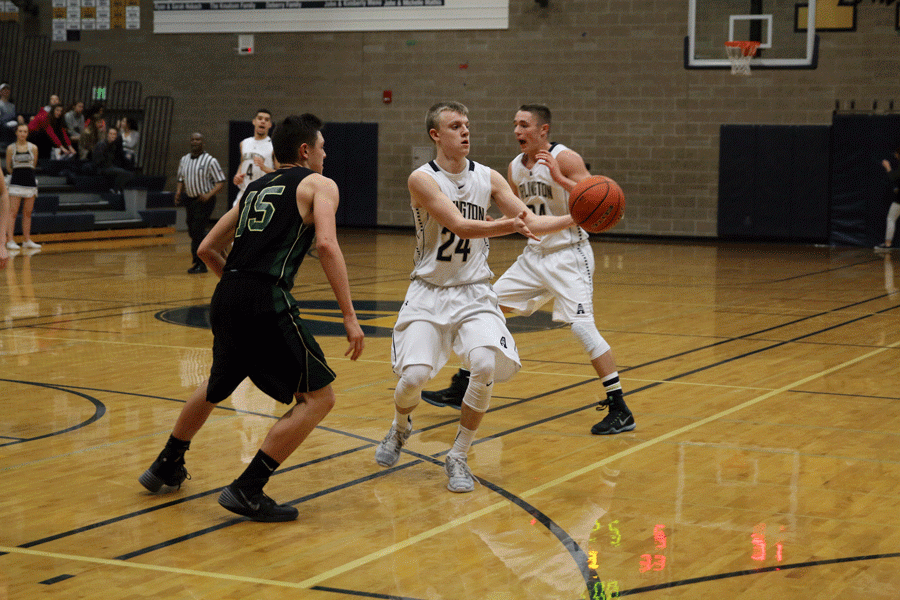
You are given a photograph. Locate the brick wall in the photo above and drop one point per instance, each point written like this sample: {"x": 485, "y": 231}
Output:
{"x": 611, "y": 70}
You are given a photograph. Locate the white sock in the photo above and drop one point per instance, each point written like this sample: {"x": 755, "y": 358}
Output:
{"x": 401, "y": 418}
{"x": 462, "y": 443}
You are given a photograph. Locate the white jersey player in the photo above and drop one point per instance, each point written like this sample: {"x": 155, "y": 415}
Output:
{"x": 544, "y": 196}
{"x": 437, "y": 246}
{"x": 256, "y": 154}
{"x": 559, "y": 267}
{"x": 450, "y": 305}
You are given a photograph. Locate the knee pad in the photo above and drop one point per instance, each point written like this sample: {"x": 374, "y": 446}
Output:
{"x": 409, "y": 388}
{"x": 482, "y": 362}
{"x": 478, "y": 395}
{"x": 590, "y": 338}
{"x": 481, "y": 379}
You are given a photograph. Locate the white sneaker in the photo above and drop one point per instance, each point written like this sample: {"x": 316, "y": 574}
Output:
{"x": 31, "y": 245}
{"x": 388, "y": 452}
{"x": 461, "y": 478}
{"x": 12, "y": 245}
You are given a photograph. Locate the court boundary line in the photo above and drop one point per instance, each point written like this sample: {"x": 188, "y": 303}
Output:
{"x": 393, "y": 548}
{"x": 713, "y": 365}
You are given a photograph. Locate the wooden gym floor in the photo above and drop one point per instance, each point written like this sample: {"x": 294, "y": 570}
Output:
{"x": 764, "y": 381}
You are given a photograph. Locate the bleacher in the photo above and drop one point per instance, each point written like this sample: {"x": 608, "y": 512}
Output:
{"x": 73, "y": 206}
{"x": 77, "y": 207}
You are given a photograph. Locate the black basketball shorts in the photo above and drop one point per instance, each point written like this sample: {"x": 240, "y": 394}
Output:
{"x": 258, "y": 333}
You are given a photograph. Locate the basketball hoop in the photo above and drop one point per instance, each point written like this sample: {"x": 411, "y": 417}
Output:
{"x": 740, "y": 53}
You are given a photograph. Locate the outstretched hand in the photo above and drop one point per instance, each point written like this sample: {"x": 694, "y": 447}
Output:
{"x": 521, "y": 227}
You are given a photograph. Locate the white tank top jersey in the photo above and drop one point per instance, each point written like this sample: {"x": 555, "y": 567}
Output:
{"x": 250, "y": 149}
{"x": 545, "y": 197}
{"x": 441, "y": 258}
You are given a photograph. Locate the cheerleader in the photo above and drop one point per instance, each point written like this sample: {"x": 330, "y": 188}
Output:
{"x": 21, "y": 161}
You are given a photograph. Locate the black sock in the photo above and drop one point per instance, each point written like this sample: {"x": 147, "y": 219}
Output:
{"x": 617, "y": 400}
{"x": 175, "y": 449}
{"x": 257, "y": 473}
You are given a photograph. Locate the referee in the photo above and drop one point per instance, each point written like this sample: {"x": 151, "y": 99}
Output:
{"x": 199, "y": 179}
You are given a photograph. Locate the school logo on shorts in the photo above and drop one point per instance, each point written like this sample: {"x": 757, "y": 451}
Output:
{"x": 323, "y": 317}
{"x": 580, "y": 310}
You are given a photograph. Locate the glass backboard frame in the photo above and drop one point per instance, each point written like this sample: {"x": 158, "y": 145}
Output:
{"x": 810, "y": 61}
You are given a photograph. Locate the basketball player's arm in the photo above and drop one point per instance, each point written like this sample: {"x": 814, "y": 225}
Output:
{"x": 9, "y": 156}
{"x": 567, "y": 169}
{"x": 510, "y": 204}
{"x": 260, "y": 162}
{"x": 324, "y": 196}
{"x": 426, "y": 193}
{"x": 212, "y": 248}
{"x": 239, "y": 177}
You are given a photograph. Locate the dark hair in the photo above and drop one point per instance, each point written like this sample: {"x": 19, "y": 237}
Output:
{"x": 93, "y": 110}
{"x": 538, "y": 110}
{"x": 54, "y": 120}
{"x": 263, "y": 110}
{"x": 132, "y": 123}
{"x": 292, "y": 133}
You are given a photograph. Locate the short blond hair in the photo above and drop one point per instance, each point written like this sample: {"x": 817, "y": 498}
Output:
{"x": 434, "y": 113}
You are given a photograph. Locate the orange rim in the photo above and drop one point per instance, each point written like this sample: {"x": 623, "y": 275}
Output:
{"x": 747, "y": 48}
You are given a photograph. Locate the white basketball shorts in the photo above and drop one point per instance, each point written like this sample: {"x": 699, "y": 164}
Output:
{"x": 565, "y": 276}
{"x": 437, "y": 321}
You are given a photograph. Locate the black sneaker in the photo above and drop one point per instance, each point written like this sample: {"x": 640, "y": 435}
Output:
{"x": 197, "y": 268}
{"x": 164, "y": 472}
{"x": 453, "y": 395}
{"x": 618, "y": 420}
{"x": 258, "y": 506}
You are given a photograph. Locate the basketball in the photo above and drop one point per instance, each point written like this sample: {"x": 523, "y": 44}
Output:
{"x": 597, "y": 203}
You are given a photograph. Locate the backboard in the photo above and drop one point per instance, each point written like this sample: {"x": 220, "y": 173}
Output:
{"x": 785, "y": 29}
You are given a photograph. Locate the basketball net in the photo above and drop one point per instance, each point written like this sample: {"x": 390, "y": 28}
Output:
{"x": 740, "y": 53}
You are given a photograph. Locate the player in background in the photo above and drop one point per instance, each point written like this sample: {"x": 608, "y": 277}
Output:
{"x": 256, "y": 153}
{"x": 557, "y": 267}
{"x": 450, "y": 306}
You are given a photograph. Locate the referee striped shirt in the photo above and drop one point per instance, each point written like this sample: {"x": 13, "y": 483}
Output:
{"x": 199, "y": 174}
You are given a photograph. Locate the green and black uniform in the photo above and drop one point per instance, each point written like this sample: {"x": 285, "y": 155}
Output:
{"x": 255, "y": 320}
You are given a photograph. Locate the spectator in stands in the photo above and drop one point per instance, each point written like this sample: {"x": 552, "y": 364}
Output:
{"x": 9, "y": 116}
{"x": 57, "y": 122}
{"x": 200, "y": 178}
{"x": 109, "y": 160}
{"x": 94, "y": 130}
{"x": 893, "y": 172}
{"x": 54, "y": 100}
{"x": 74, "y": 118}
{"x": 48, "y": 133}
{"x": 21, "y": 162}
{"x": 44, "y": 112}
{"x": 129, "y": 134}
